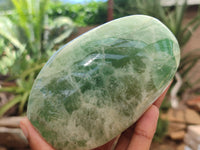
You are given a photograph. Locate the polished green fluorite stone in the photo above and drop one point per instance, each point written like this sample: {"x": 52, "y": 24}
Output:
{"x": 99, "y": 84}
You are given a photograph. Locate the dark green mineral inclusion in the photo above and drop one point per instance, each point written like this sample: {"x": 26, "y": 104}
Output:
{"x": 99, "y": 74}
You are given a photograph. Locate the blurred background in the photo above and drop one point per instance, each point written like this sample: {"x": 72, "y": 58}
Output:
{"x": 32, "y": 30}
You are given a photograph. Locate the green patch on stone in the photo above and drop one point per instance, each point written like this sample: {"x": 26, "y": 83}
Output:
{"x": 81, "y": 143}
{"x": 87, "y": 118}
{"x": 72, "y": 103}
{"x": 46, "y": 133}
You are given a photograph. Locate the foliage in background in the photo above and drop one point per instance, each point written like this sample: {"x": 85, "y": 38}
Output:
{"x": 124, "y": 8}
{"x": 172, "y": 17}
{"x": 28, "y": 38}
{"x": 23, "y": 87}
{"x": 8, "y": 56}
{"x": 162, "y": 126}
{"x": 161, "y": 130}
{"x": 6, "y": 5}
{"x": 29, "y": 32}
{"x": 91, "y": 13}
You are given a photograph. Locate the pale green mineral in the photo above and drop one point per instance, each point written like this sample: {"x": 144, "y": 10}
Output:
{"x": 99, "y": 84}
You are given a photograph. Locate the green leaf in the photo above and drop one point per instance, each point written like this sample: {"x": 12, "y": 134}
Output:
{"x": 65, "y": 25}
{"x": 13, "y": 89}
{"x": 9, "y": 105}
{"x": 8, "y": 30}
{"x": 61, "y": 28}
{"x": 23, "y": 100}
{"x": 33, "y": 69}
{"x": 179, "y": 14}
{"x": 188, "y": 67}
{"x": 30, "y": 18}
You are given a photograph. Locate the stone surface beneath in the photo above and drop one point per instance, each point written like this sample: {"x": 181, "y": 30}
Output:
{"x": 192, "y": 117}
{"x": 194, "y": 132}
{"x": 12, "y": 138}
{"x": 177, "y": 135}
{"x": 174, "y": 126}
{"x": 181, "y": 147}
{"x": 174, "y": 115}
{"x": 10, "y": 122}
{"x": 2, "y": 148}
{"x": 194, "y": 103}
{"x": 192, "y": 142}
{"x": 100, "y": 83}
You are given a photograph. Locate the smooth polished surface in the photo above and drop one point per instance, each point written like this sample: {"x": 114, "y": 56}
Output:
{"x": 99, "y": 84}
